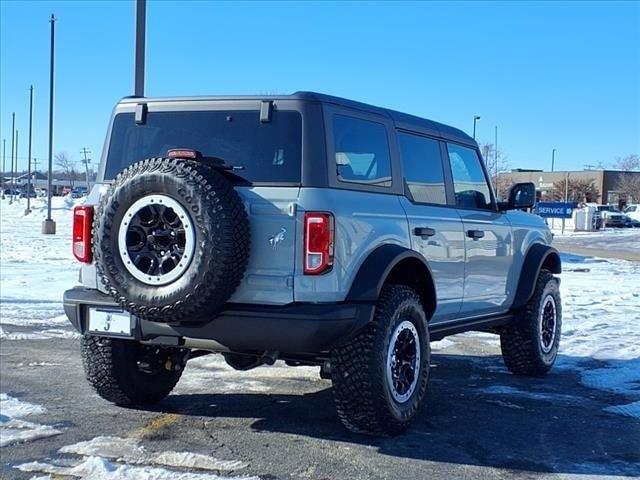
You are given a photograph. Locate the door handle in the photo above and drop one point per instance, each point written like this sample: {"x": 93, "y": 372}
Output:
{"x": 424, "y": 232}
{"x": 475, "y": 234}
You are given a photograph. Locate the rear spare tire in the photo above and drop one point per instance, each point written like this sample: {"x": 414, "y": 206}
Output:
{"x": 171, "y": 240}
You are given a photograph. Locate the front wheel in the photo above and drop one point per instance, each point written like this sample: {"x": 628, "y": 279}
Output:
{"x": 530, "y": 343}
{"x": 380, "y": 375}
{"x": 126, "y": 372}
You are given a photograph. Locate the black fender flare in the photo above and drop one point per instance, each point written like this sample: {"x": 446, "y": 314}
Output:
{"x": 537, "y": 256}
{"x": 377, "y": 267}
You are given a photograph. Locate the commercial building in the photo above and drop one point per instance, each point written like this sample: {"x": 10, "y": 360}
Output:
{"x": 551, "y": 185}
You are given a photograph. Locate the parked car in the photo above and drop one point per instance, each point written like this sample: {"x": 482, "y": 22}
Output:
{"x": 611, "y": 216}
{"x": 633, "y": 212}
{"x": 78, "y": 192}
{"x": 307, "y": 228}
{"x": 11, "y": 191}
{"x": 32, "y": 193}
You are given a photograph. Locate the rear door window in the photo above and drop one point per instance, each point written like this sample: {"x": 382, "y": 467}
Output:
{"x": 361, "y": 151}
{"x": 422, "y": 167}
{"x": 469, "y": 181}
{"x": 265, "y": 153}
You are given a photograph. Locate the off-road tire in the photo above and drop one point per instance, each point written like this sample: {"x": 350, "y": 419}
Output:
{"x": 111, "y": 367}
{"x": 520, "y": 341}
{"x": 358, "y": 368}
{"x": 222, "y": 240}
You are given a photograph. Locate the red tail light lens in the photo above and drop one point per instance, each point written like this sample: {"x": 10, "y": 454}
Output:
{"x": 82, "y": 220}
{"x": 318, "y": 242}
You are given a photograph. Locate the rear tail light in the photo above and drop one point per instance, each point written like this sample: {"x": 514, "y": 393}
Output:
{"x": 82, "y": 220}
{"x": 318, "y": 242}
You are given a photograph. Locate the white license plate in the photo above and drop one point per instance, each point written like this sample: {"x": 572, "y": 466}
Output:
{"x": 109, "y": 322}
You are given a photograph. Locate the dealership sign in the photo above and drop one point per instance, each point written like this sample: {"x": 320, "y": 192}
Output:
{"x": 555, "y": 209}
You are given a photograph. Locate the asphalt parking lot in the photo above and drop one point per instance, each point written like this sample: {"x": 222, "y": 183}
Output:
{"x": 479, "y": 421}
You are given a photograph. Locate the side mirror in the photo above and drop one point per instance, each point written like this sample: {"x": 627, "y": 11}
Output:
{"x": 521, "y": 196}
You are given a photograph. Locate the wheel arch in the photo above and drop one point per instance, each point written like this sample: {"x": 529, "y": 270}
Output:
{"x": 538, "y": 257}
{"x": 394, "y": 264}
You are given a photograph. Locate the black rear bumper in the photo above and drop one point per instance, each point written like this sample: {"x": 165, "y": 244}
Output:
{"x": 308, "y": 328}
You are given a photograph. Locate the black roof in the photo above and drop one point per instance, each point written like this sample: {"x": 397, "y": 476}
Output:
{"x": 402, "y": 120}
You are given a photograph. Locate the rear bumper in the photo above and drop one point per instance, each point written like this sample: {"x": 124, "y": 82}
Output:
{"x": 294, "y": 328}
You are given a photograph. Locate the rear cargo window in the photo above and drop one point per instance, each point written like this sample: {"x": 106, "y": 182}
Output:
{"x": 265, "y": 152}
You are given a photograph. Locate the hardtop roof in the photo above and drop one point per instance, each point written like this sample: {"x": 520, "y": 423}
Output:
{"x": 401, "y": 120}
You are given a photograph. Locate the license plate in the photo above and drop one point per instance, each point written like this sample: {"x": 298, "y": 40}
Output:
{"x": 109, "y": 322}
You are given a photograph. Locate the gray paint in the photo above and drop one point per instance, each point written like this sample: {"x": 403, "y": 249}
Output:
{"x": 472, "y": 277}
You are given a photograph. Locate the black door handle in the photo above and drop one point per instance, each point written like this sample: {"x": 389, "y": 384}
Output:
{"x": 475, "y": 234}
{"x": 424, "y": 232}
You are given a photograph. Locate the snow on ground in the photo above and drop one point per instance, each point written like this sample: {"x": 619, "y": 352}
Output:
{"x": 111, "y": 458}
{"x": 35, "y": 269}
{"x": 14, "y": 429}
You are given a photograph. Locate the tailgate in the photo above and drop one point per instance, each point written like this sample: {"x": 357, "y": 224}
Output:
{"x": 269, "y": 275}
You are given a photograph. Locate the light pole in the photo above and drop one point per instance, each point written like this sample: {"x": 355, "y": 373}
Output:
{"x": 48, "y": 225}
{"x": 4, "y": 163}
{"x": 141, "y": 13}
{"x": 28, "y": 210}
{"x": 475, "y": 119}
{"x": 553, "y": 159}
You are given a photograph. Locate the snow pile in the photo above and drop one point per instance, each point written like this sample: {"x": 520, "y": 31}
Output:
{"x": 36, "y": 269}
{"x": 13, "y": 429}
{"x": 111, "y": 458}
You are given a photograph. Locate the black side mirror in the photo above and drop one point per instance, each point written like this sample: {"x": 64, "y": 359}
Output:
{"x": 521, "y": 196}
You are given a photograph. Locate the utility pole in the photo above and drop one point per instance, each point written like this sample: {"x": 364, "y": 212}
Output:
{"x": 28, "y": 210}
{"x": 553, "y": 159}
{"x": 48, "y": 225}
{"x": 141, "y": 13}
{"x": 86, "y": 161}
{"x": 14, "y": 172}
{"x": 13, "y": 149}
{"x": 475, "y": 119}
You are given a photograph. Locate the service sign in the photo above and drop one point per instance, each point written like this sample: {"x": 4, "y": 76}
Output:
{"x": 555, "y": 209}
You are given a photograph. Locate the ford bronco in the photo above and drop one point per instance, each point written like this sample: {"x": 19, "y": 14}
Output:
{"x": 309, "y": 229}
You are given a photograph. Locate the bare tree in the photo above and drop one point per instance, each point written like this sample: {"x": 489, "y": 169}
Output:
{"x": 629, "y": 186}
{"x": 496, "y": 164}
{"x": 628, "y": 163}
{"x": 64, "y": 162}
{"x": 579, "y": 190}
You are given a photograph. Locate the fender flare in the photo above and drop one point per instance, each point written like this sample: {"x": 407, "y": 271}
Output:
{"x": 537, "y": 256}
{"x": 374, "y": 271}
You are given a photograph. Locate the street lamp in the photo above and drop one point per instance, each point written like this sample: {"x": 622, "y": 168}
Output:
{"x": 475, "y": 119}
{"x": 553, "y": 159}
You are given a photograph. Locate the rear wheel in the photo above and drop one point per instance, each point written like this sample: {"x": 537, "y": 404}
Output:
{"x": 171, "y": 240}
{"x": 126, "y": 372}
{"x": 530, "y": 343}
{"x": 380, "y": 375}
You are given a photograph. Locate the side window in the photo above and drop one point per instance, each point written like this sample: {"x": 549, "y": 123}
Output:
{"x": 422, "y": 166}
{"x": 362, "y": 151}
{"x": 469, "y": 181}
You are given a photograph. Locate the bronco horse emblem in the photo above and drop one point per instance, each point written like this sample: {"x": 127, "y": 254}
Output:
{"x": 274, "y": 240}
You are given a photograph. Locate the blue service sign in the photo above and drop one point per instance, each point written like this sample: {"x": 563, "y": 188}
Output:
{"x": 555, "y": 209}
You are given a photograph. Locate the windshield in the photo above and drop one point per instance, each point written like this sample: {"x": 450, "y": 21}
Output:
{"x": 267, "y": 152}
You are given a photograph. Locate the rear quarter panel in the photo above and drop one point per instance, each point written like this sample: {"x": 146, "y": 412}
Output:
{"x": 363, "y": 221}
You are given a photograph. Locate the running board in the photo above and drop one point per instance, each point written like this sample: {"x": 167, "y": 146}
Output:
{"x": 440, "y": 330}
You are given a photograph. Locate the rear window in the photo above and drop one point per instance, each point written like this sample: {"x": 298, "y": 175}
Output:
{"x": 266, "y": 152}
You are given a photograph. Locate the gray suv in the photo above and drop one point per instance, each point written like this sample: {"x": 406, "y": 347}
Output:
{"x": 306, "y": 228}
